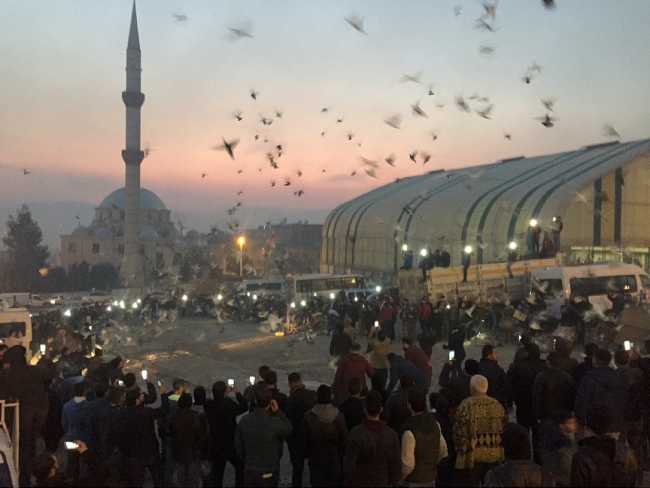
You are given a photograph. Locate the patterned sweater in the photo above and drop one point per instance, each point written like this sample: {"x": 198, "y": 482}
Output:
{"x": 477, "y": 431}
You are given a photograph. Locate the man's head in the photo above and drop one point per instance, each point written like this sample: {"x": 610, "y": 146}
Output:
{"x": 489, "y": 352}
{"x": 185, "y": 400}
{"x": 263, "y": 398}
{"x": 601, "y": 358}
{"x": 81, "y": 389}
{"x": 417, "y": 402}
{"x": 471, "y": 366}
{"x": 294, "y": 379}
{"x": 354, "y": 386}
{"x": 621, "y": 358}
{"x": 373, "y": 405}
{"x": 324, "y": 395}
{"x": 590, "y": 350}
{"x": 271, "y": 379}
{"x": 406, "y": 343}
{"x": 381, "y": 336}
{"x": 405, "y": 382}
{"x": 116, "y": 395}
{"x": 262, "y": 370}
{"x": 200, "y": 395}
{"x": 129, "y": 380}
{"x": 533, "y": 351}
{"x": 478, "y": 385}
{"x": 598, "y": 418}
{"x": 134, "y": 397}
{"x": 567, "y": 422}
{"x": 355, "y": 348}
{"x": 219, "y": 389}
{"x": 101, "y": 389}
{"x": 391, "y": 356}
{"x": 178, "y": 386}
{"x": 553, "y": 360}
{"x": 515, "y": 442}
{"x": 45, "y": 466}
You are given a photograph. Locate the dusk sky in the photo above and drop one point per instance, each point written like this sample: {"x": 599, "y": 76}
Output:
{"x": 62, "y": 71}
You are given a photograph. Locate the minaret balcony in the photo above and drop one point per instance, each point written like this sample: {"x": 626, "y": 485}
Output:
{"x": 133, "y": 99}
{"x": 132, "y": 156}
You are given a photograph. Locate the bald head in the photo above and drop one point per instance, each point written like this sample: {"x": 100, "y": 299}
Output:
{"x": 478, "y": 384}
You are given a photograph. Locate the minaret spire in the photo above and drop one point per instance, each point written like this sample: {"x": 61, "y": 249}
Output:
{"x": 131, "y": 271}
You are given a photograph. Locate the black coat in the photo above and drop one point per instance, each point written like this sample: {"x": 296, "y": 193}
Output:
{"x": 222, "y": 414}
{"x": 352, "y": 410}
{"x": 326, "y": 436}
{"x": 602, "y": 461}
{"x": 553, "y": 392}
{"x": 521, "y": 376}
{"x": 498, "y": 386}
{"x": 300, "y": 402}
{"x": 518, "y": 473}
{"x": 188, "y": 436}
{"x": 141, "y": 440}
{"x": 340, "y": 344}
{"x": 459, "y": 385}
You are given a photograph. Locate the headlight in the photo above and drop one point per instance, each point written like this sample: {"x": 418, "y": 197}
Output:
{"x": 135, "y": 305}
{"x": 116, "y": 303}
{"x": 356, "y": 299}
{"x": 184, "y": 298}
{"x": 108, "y": 309}
{"x": 332, "y": 295}
{"x": 121, "y": 303}
{"x": 378, "y": 288}
{"x": 139, "y": 300}
{"x": 219, "y": 296}
{"x": 448, "y": 306}
{"x": 254, "y": 297}
{"x": 303, "y": 303}
{"x": 293, "y": 304}
{"x": 53, "y": 302}
{"x": 67, "y": 313}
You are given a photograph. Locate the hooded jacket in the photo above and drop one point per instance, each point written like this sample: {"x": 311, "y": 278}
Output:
{"x": 400, "y": 366}
{"x": 326, "y": 435}
{"x": 259, "y": 437}
{"x": 604, "y": 386}
{"x": 372, "y": 456}
{"x": 300, "y": 401}
{"x": 74, "y": 418}
{"x": 350, "y": 366}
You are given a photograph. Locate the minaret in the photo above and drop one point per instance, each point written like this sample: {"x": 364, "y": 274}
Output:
{"x": 132, "y": 272}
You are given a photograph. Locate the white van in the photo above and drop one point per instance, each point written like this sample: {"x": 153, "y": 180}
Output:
{"x": 262, "y": 287}
{"x": 16, "y": 328}
{"x": 593, "y": 281}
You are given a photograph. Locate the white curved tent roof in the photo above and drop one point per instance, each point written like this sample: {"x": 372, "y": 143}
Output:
{"x": 480, "y": 205}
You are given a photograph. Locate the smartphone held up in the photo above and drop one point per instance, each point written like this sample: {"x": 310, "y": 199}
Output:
{"x": 231, "y": 382}
{"x": 452, "y": 355}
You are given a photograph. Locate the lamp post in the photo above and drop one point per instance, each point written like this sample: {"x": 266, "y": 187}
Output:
{"x": 241, "y": 241}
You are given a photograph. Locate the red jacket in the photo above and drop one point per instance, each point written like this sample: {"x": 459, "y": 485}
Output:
{"x": 424, "y": 312}
{"x": 416, "y": 355}
{"x": 385, "y": 314}
{"x": 350, "y": 366}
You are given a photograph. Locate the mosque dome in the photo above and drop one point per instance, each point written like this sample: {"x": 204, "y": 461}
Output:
{"x": 80, "y": 231}
{"x": 103, "y": 232}
{"x": 148, "y": 200}
{"x": 148, "y": 231}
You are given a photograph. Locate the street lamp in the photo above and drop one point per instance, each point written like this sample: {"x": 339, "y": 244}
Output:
{"x": 512, "y": 245}
{"x": 405, "y": 248}
{"x": 423, "y": 252}
{"x": 241, "y": 241}
{"x": 533, "y": 222}
{"x": 468, "y": 249}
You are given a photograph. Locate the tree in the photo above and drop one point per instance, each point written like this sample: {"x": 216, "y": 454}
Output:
{"x": 78, "y": 276}
{"x": 26, "y": 254}
{"x": 103, "y": 276}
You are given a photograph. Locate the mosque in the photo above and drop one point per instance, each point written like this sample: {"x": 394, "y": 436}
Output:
{"x": 132, "y": 228}
{"x": 600, "y": 193}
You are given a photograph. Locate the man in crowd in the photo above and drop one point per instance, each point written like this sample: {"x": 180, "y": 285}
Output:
{"x": 459, "y": 385}
{"x": 488, "y": 366}
{"x": 553, "y": 390}
{"x": 271, "y": 380}
{"x": 189, "y": 441}
{"x": 326, "y": 436}
{"x": 221, "y": 413}
{"x": 519, "y": 468}
{"x": 423, "y": 445}
{"x": 259, "y": 438}
{"x": 352, "y": 407}
{"x": 396, "y": 411}
{"x": 409, "y": 315}
{"x": 557, "y": 446}
{"x": 351, "y": 365}
{"x": 372, "y": 456}
{"x": 301, "y": 400}
{"x": 399, "y": 366}
{"x": 415, "y": 354}
{"x": 477, "y": 430}
{"x": 73, "y": 420}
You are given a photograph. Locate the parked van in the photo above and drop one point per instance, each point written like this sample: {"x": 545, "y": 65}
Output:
{"x": 593, "y": 281}
{"x": 16, "y": 328}
{"x": 262, "y": 287}
{"x": 17, "y": 299}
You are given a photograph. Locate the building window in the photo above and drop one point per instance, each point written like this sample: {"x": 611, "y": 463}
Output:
{"x": 142, "y": 249}
{"x": 121, "y": 215}
{"x": 95, "y": 248}
{"x": 72, "y": 247}
{"x": 120, "y": 248}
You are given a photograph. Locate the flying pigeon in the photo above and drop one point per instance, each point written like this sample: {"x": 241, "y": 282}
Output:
{"x": 228, "y": 147}
{"x": 356, "y": 22}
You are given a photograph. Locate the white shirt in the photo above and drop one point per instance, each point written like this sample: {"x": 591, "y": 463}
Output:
{"x": 408, "y": 452}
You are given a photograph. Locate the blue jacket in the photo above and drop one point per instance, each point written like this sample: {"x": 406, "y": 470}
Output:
{"x": 73, "y": 419}
{"x": 399, "y": 366}
{"x": 603, "y": 386}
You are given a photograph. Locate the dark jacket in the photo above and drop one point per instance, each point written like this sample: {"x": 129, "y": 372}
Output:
{"x": 459, "y": 385}
{"x": 189, "y": 438}
{"x": 141, "y": 442}
{"x": 259, "y": 437}
{"x": 326, "y": 435}
{"x": 416, "y": 355}
{"x": 300, "y": 402}
{"x": 498, "y": 387}
{"x": 581, "y": 370}
{"x": 96, "y": 411}
{"x": 457, "y": 344}
{"x": 372, "y": 456}
{"x": 518, "y": 473}
{"x": 400, "y": 366}
{"x": 349, "y": 366}
{"x": 604, "y": 386}
{"x": 521, "y": 376}
{"x": 426, "y": 432}
{"x": 340, "y": 344}
{"x": 352, "y": 410}
{"x": 23, "y": 382}
{"x": 221, "y": 414}
{"x": 553, "y": 391}
{"x": 556, "y": 452}
{"x": 635, "y": 396}
{"x": 601, "y": 461}
{"x": 73, "y": 419}
{"x": 396, "y": 411}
